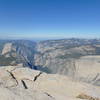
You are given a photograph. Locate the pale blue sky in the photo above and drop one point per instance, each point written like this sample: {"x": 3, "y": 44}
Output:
{"x": 31, "y": 19}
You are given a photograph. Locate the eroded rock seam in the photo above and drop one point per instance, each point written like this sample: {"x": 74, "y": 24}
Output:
{"x": 49, "y": 95}
{"x": 24, "y": 84}
{"x": 36, "y": 77}
{"x": 12, "y": 75}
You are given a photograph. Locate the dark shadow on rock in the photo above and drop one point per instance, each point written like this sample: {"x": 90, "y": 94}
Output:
{"x": 41, "y": 68}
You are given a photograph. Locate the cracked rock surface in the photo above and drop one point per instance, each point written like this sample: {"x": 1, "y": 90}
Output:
{"x": 18, "y": 83}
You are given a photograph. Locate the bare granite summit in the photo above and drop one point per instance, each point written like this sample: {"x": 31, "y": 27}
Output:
{"x": 19, "y": 83}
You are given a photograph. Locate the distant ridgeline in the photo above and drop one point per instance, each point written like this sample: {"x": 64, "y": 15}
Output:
{"x": 51, "y": 56}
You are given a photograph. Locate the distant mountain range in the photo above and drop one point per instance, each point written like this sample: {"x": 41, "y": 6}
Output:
{"x": 71, "y": 57}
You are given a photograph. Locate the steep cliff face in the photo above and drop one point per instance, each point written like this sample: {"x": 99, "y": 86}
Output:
{"x": 60, "y": 55}
{"x": 16, "y": 52}
{"x": 88, "y": 69}
{"x": 7, "y": 48}
{"x": 71, "y": 57}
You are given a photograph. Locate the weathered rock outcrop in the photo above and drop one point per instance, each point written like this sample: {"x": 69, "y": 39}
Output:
{"x": 18, "y": 83}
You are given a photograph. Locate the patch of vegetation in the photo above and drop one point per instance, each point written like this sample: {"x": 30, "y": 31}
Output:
{"x": 97, "y": 51}
{"x": 86, "y": 97}
{"x": 66, "y": 56}
{"x": 4, "y": 61}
